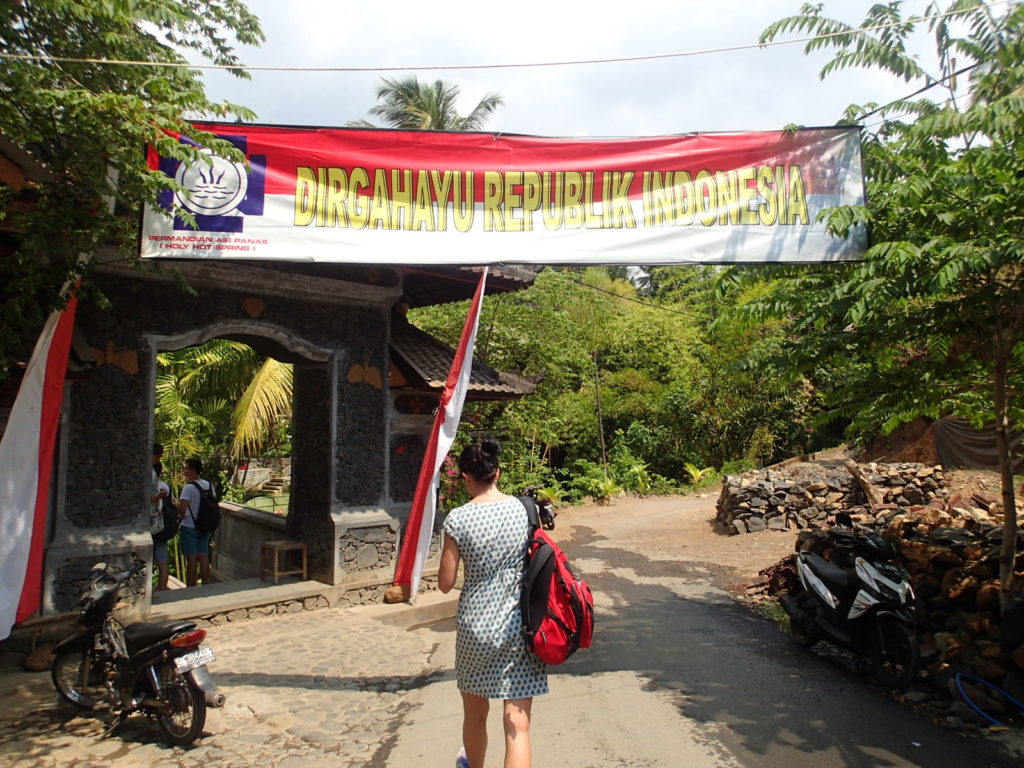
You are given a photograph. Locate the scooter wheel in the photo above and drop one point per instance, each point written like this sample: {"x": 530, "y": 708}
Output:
{"x": 799, "y": 636}
{"x": 183, "y": 712}
{"x": 791, "y": 604}
{"x": 66, "y": 674}
{"x": 895, "y": 655}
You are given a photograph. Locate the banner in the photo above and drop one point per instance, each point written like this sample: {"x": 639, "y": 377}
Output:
{"x": 434, "y": 197}
{"x": 26, "y": 455}
{"x": 416, "y": 542}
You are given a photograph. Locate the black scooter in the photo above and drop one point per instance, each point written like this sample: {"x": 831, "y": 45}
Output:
{"x": 545, "y": 509}
{"x": 868, "y": 611}
{"x": 154, "y": 668}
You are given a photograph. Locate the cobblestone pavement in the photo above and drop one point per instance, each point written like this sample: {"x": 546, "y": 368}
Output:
{"x": 317, "y": 688}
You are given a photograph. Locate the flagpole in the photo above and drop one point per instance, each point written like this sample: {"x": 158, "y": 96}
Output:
{"x": 416, "y": 541}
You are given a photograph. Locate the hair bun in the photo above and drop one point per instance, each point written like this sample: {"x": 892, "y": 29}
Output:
{"x": 490, "y": 447}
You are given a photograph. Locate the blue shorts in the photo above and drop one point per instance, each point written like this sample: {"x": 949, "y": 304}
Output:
{"x": 193, "y": 542}
{"x": 160, "y": 551}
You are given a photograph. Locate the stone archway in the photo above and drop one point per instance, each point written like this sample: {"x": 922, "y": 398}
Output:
{"x": 309, "y": 518}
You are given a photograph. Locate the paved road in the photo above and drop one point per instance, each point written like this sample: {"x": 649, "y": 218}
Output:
{"x": 680, "y": 675}
{"x": 318, "y": 688}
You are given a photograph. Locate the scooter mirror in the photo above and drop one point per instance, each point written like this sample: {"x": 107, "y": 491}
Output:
{"x": 843, "y": 519}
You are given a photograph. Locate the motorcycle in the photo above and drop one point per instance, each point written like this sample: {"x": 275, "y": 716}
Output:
{"x": 154, "y": 668}
{"x": 869, "y": 611}
{"x": 545, "y": 509}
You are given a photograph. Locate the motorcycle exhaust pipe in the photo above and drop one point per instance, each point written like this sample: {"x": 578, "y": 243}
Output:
{"x": 789, "y": 606}
{"x": 215, "y": 698}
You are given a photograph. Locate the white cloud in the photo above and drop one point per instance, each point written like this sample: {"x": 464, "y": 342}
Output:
{"x": 756, "y": 89}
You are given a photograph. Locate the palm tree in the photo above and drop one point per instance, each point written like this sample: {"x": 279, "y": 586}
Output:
{"x": 221, "y": 395}
{"x": 411, "y": 105}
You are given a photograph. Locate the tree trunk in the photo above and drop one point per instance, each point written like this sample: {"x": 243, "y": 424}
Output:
{"x": 600, "y": 417}
{"x": 1008, "y": 551}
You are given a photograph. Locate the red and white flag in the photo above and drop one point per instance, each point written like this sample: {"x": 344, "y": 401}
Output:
{"x": 416, "y": 542}
{"x": 26, "y": 468}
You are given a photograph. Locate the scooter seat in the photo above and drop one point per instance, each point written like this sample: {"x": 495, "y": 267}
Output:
{"x": 143, "y": 633}
{"x": 839, "y": 581}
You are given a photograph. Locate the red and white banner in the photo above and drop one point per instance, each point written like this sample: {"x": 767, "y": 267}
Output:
{"x": 416, "y": 542}
{"x": 422, "y": 197}
{"x": 26, "y": 459}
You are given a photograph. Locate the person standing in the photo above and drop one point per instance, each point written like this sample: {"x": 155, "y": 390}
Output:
{"x": 156, "y": 497}
{"x": 160, "y": 545}
{"x": 490, "y": 535}
{"x": 195, "y": 544}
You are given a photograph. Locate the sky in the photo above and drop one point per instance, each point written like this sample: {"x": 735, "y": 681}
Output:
{"x": 749, "y": 90}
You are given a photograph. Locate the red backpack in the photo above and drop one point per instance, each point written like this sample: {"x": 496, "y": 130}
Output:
{"x": 557, "y": 607}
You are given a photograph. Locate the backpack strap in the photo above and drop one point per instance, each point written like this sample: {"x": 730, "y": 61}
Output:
{"x": 534, "y": 520}
{"x": 531, "y": 512}
{"x": 191, "y": 511}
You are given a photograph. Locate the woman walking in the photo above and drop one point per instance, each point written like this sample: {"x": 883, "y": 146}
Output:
{"x": 490, "y": 534}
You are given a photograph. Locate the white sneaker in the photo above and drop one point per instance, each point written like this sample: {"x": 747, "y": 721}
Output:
{"x": 461, "y": 761}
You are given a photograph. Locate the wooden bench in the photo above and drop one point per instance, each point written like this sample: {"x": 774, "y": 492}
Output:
{"x": 270, "y": 558}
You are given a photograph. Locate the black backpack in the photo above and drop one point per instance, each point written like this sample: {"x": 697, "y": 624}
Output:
{"x": 207, "y": 517}
{"x": 170, "y": 529}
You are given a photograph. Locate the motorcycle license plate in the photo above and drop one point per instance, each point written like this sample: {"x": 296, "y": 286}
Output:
{"x": 199, "y": 658}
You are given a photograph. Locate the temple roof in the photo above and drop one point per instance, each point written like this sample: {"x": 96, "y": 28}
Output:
{"x": 425, "y": 361}
{"x": 18, "y": 165}
{"x": 426, "y": 286}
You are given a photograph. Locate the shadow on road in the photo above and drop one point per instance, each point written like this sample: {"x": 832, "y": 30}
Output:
{"x": 728, "y": 667}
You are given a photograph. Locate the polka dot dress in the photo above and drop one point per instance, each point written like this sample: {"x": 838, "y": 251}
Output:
{"x": 491, "y": 657}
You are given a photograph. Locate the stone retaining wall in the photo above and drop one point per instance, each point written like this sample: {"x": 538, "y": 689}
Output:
{"x": 806, "y": 495}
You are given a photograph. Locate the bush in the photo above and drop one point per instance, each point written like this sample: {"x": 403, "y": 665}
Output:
{"x": 736, "y": 466}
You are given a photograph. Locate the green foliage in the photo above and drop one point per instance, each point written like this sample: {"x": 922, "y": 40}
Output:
{"x": 552, "y": 493}
{"x": 671, "y": 385}
{"x": 932, "y": 321}
{"x": 937, "y": 300}
{"x": 221, "y": 401}
{"x": 736, "y": 467}
{"x": 90, "y": 123}
{"x": 695, "y": 474}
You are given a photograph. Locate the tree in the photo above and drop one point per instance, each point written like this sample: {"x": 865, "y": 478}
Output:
{"x": 220, "y": 400}
{"x": 669, "y": 392}
{"x": 90, "y": 123}
{"x": 933, "y": 318}
{"x": 411, "y": 105}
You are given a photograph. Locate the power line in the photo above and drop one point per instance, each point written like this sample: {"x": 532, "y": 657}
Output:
{"x": 922, "y": 89}
{"x": 451, "y": 67}
{"x": 635, "y": 301}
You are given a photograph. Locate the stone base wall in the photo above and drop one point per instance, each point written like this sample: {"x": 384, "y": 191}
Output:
{"x": 367, "y": 549}
{"x": 311, "y": 603}
{"x": 333, "y": 598}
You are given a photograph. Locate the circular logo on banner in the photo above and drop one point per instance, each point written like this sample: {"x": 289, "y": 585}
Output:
{"x": 213, "y": 189}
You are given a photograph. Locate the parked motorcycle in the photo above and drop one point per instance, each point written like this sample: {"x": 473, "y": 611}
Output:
{"x": 545, "y": 509}
{"x": 153, "y": 668}
{"x": 868, "y": 611}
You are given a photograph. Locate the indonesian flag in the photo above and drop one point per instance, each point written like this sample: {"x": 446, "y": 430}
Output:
{"x": 26, "y": 468}
{"x": 416, "y": 542}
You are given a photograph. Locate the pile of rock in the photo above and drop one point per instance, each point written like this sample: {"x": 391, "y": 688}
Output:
{"x": 804, "y": 496}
